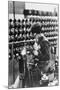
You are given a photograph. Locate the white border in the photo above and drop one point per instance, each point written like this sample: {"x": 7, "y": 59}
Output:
{"x": 4, "y": 43}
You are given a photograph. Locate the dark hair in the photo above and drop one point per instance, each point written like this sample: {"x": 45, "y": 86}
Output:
{"x": 36, "y": 28}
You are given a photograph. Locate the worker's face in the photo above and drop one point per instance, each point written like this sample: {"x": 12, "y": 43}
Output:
{"x": 37, "y": 37}
{"x": 36, "y": 46}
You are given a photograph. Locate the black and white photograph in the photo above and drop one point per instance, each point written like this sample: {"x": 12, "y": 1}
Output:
{"x": 33, "y": 50}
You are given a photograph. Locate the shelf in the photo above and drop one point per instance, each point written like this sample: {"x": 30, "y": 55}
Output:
{"x": 43, "y": 17}
{"x": 22, "y": 41}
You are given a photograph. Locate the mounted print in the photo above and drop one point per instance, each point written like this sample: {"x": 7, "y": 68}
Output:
{"x": 33, "y": 58}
